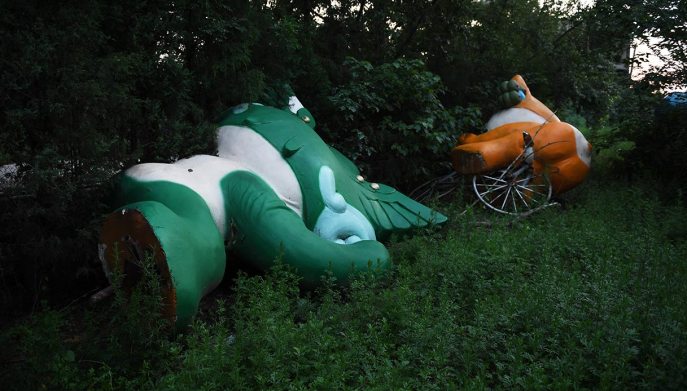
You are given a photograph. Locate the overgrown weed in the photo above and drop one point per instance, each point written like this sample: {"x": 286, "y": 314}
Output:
{"x": 591, "y": 295}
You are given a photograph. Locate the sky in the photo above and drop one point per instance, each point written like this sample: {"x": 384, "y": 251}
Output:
{"x": 639, "y": 48}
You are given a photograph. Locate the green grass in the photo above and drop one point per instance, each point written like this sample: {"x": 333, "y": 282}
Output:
{"x": 591, "y": 296}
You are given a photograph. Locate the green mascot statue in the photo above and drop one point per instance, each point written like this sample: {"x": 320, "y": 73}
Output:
{"x": 274, "y": 190}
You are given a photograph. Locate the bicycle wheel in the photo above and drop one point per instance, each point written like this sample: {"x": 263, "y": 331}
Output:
{"x": 515, "y": 191}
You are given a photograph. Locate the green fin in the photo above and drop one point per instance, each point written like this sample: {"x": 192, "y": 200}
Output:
{"x": 391, "y": 210}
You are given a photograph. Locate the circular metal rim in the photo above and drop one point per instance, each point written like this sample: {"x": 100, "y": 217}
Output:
{"x": 498, "y": 176}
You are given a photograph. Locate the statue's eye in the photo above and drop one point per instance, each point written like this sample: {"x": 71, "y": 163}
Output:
{"x": 240, "y": 108}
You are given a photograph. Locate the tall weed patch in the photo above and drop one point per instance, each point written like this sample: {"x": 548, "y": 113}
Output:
{"x": 591, "y": 295}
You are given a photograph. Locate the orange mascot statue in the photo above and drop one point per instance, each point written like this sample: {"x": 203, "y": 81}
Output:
{"x": 526, "y": 133}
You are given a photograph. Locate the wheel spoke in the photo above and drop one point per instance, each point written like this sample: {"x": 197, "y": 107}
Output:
{"x": 499, "y": 195}
{"x": 515, "y": 206}
{"x": 492, "y": 189}
{"x": 537, "y": 185}
{"x": 522, "y": 198}
{"x": 505, "y": 198}
{"x": 502, "y": 194}
{"x": 529, "y": 188}
{"x": 523, "y": 179}
{"x": 494, "y": 179}
{"x": 513, "y": 191}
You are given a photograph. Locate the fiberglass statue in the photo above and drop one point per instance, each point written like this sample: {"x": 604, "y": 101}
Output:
{"x": 275, "y": 190}
{"x": 526, "y": 136}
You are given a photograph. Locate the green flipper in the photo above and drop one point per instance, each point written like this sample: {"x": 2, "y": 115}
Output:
{"x": 390, "y": 210}
{"x": 175, "y": 225}
{"x": 266, "y": 229}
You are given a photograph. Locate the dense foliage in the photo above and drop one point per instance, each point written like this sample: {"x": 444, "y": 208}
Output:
{"x": 586, "y": 297}
{"x": 89, "y": 88}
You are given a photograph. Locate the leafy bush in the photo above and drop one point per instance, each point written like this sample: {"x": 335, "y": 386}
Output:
{"x": 121, "y": 345}
{"x": 610, "y": 147}
{"x": 625, "y": 141}
{"x": 664, "y": 145}
{"x": 590, "y": 296}
{"x": 390, "y": 119}
{"x": 557, "y": 301}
